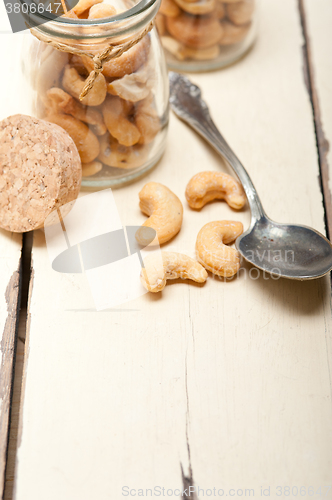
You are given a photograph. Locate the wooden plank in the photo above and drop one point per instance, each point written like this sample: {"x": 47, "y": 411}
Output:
{"x": 231, "y": 381}
{"x": 10, "y": 251}
{"x": 15, "y": 408}
{"x": 18, "y": 370}
{"x": 317, "y": 17}
{"x": 10, "y": 257}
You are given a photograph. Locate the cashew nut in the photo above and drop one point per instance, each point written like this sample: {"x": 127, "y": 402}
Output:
{"x": 232, "y": 33}
{"x": 194, "y": 31}
{"x": 73, "y": 83}
{"x": 136, "y": 86}
{"x": 56, "y": 98}
{"x": 77, "y": 63}
{"x": 114, "y": 154}
{"x": 92, "y": 168}
{"x": 70, "y": 15}
{"x": 169, "y": 8}
{"x": 60, "y": 101}
{"x": 101, "y": 10}
{"x": 240, "y": 12}
{"x": 117, "y": 122}
{"x": 85, "y": 140}
{"x": 200, "y": 54}
{"x": 171, "y": 266}
{"x": 126, "y": 64}
{"x": 160, "y": 24}
{"x": 164, "y": 209}
{"x": 212, "y": 250}
{"x": 200, "y": 7}
{"x": 173, "y": 46}
{"x": 208, "y": 186}
{"x": 50, "y": 70}
{"x": 147, "y": 120}
{"x": 220, "y": 11}
{"x": 84, "y": 5}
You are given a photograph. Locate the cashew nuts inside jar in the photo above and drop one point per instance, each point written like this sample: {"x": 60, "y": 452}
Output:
{"x": 120, "y": 124}
{"x": 201, "y": 35}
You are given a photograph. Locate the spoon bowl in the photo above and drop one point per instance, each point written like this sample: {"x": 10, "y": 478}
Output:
{"x": 286, "y": 250}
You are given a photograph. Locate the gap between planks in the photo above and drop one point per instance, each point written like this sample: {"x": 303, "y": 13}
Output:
{"x": 321, "y": 141}
{"x": 18, "y": 368}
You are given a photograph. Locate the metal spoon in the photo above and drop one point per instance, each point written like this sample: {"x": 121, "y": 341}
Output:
{"x": 286, "y": 250}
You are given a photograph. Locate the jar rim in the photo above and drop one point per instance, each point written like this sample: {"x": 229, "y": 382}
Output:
{"x": 135, "y": 18}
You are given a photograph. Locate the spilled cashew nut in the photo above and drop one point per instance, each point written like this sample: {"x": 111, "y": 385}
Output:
{"x": 85, "y": 140}
{"x": 212, "y": 250}
{"x": 117, "y": 122}
{"x": 74, "y": 83}
{"x": 164, "y": 209}
{"x": 208, "y": 186}
{"x": 170, "y": 266}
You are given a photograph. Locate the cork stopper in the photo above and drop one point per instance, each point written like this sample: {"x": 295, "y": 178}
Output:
{"x": 40, "y": 170}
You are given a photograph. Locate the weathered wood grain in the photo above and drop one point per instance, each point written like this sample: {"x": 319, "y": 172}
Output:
{"x": 10, "y": 248}
{"x": 15, "y": 409}
{"x": 230, "y": 381}
{"x": 10, "y": 255}
{"x": 14, "y": 434}
{"x": 317, "y": 18}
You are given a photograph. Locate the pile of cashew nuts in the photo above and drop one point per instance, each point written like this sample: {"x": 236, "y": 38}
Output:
{"x": 116, "y": 123}
{"x": 165, "y": 213}
{"x": 198, "y": 29}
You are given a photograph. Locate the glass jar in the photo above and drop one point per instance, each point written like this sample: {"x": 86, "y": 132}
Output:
{"x": 201, "y": 35}
{"x": 120, "y": 127}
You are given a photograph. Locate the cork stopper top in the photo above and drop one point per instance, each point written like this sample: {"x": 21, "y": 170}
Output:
{"x": 40, "y": 170}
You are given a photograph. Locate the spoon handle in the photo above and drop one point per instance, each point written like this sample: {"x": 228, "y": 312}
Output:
{"x": 216, "y": 140}
{"x": 187, "y": 103}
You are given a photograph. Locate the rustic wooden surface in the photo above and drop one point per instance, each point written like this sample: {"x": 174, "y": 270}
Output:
{"x": 318, "y": 16}
{"x": 10, "y": 245}
{"x": 10, "y": 276}
{"x": 226, "y": 385}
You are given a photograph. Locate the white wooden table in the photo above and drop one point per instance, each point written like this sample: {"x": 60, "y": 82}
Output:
{"x": 226, "y": 386}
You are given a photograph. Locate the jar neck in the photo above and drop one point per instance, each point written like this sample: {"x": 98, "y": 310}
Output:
{"x": 115, "y": 29}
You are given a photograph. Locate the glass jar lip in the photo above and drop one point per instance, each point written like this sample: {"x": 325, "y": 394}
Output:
{"x": 135, "y": 17}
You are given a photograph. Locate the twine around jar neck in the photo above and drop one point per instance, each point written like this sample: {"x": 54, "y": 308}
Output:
{"x": 111, "y": 52}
